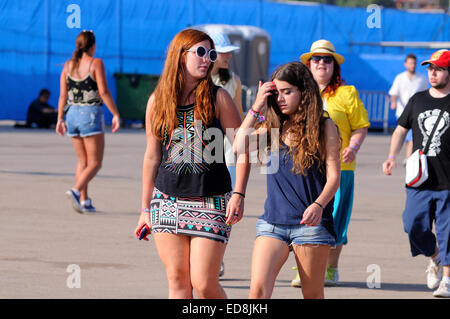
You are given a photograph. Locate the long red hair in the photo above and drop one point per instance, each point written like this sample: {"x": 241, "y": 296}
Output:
{"x": 171, "y": 84}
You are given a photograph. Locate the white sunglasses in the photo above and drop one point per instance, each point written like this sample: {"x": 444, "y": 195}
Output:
{"x": 201, "y": 52}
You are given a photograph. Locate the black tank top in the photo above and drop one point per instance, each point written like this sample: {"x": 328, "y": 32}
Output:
{"x": 193, "y": 161}
{"x": 83, "y": 92}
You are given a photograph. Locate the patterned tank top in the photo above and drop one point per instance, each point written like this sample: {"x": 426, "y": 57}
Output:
{"x": 83, "y": 92}
{"x": 193, "y": 163}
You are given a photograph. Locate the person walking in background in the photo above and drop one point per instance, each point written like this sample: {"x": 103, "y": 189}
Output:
{"x": 427, "y": 114}
{"x": 40, "y": 113}
{"x": 83, "y": 89}
{"x": 230, "y": 81}
{"x": 187, "y": 197}
{"x": 299, "y": 204}
{"x": 405, "y": 85}
{"x": 345, "y": 108}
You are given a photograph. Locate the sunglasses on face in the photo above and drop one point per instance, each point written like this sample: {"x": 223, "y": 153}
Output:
{"x": 201, "y": 51}
{"x": 326, "y": 59}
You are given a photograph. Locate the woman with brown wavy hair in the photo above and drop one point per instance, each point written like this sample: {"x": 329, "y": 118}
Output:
{"x": 187, "y": 198}
{"x": 297, "y": 211}
{"x": 345, "y": 108}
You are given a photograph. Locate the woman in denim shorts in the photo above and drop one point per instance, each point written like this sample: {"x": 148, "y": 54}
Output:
{"x": 83, "y": 91}
{"x": 304, "y": 150}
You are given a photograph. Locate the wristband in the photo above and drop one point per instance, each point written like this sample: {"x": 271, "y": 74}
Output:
{"x": 391, "y": 157}
{"x": 145, "y": 210}
{"x": 318, "y": 204}
{"x": 258, "y": 115}
{"x": 353, "y": 147}
{"x": 356, "y": 142}
{"x": 243, "y": 195}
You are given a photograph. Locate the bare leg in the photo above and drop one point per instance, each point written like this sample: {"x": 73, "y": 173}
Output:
{"x": 174, "y": 251}
{"x": 206, "y": 256}
{"x": 311, "y": 263}
{"x": 269, "y": 255}
{"x": 333, "y": 258}
{"x": 80, "y": 150}
{"x": 94, "y": 147}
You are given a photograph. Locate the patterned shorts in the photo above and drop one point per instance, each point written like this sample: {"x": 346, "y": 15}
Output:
{"x": 190, "y": 216}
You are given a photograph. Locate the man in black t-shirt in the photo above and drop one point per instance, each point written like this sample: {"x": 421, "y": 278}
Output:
{"x": 431, "y": 200}
{"x": 40, "y": 112}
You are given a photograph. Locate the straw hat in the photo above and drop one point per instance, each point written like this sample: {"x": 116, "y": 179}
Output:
{"x": 322, "y": 46}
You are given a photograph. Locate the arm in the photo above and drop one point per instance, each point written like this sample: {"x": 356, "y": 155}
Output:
{"x": 397, "y": 140}
{"x": 100, "y": 77}
{"x": 238, "y": 96}
{"x": 313, "y": 214}
{"x": 229, "y": 117}
{"x": 393, "y": 102}
{"x": 241, "y": 141}
{"x": 60, "y": 125}
{"x": 152, "y": 160}
{"x": 358, "y": 136}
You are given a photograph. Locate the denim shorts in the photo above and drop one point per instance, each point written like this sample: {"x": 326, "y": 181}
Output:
{"x": 295, "y": 234}
{"x": 85, "y": 120}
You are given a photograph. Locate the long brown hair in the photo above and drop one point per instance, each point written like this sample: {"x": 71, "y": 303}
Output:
{"x": 308, "y": 143}
{"x": 84, "y": 42}
{"x": 171, "y": 84}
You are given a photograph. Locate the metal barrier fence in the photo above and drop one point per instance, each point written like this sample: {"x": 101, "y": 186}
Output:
{"x": 377, "y": 106}
{"x": 376, "y": 103}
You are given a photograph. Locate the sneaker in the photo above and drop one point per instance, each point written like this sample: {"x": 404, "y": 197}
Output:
{"x": 296, "y": 281}
{"x": 434, "y": 274}
{"x": 87, "y": 206}
{"x": 75, "y": 199}
{"x": 331, "y": 277}
{"x": 222, "y": 269}
{"x": 443, "y": 291}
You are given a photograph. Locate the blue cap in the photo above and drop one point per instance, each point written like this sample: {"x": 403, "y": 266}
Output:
{"x": 222, "y": 42}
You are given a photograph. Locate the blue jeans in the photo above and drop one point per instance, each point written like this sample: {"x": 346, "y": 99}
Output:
{"x": 421, "y": 209}
{"x": 295, "y": 234}
{"x": 85, "y": 121}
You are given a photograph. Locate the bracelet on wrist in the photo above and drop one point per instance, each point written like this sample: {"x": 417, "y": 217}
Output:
{"x": 145, "y": 210}
{"x": 240, "y": 194}
{"x": 354, "y": 148}
{"x": 318, "y": 204}
{"x": 391, "y": 157}
{"x": 356, "y": 142}
{"x": 258, "y": 115}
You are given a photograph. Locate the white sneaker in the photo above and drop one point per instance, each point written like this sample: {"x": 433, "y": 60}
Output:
{"x": 434, "y": 274}
{"x": 443, "y": 291}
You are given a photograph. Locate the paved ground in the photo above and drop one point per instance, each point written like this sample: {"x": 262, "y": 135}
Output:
{"x": 41, "y": 235}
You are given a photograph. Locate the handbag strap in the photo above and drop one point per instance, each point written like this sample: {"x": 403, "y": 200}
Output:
{"x": 430, "y": 137}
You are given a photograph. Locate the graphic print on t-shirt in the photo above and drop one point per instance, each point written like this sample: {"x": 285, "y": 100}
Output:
{"x": 426, "y": 121}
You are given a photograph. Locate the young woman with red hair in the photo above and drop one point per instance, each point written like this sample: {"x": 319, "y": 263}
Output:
{"x": 187, "y": 197}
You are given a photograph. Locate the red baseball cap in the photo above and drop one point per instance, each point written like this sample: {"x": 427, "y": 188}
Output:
{"x": 439, "y": 58}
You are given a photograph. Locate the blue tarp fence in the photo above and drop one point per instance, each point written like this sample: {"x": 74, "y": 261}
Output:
{"x": 38, "y": 36}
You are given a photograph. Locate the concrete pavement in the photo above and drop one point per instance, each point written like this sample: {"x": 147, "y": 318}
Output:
{"x": 41, "y": 235}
